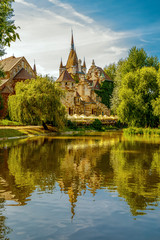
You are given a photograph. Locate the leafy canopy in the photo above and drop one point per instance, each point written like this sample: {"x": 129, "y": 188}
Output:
{"x": 137, "y": 59}
{"x": 37, "y": 101}
{"x": 8, "y": 29}
{"x": 138, "y": 90}
{"x": 105, "y": 92}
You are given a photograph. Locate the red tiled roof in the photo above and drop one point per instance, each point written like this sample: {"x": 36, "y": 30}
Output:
{"x": 22, "y": 75}
{"x": 65, "y": 76}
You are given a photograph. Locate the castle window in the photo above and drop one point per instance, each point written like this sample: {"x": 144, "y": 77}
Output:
{"x": 66, "y": 83}
{"x": 23, "y": 64}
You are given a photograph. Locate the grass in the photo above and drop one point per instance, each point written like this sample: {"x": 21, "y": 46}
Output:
{"x": 142, "y": 131}
{"x": 5, "y": 133}
{"x": 6, "y": 122}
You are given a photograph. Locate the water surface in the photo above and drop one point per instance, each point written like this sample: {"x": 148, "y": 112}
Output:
{"x": 95, "y": 187}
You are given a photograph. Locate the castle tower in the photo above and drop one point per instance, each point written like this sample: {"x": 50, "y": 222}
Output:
{"x": 72, "y": 62}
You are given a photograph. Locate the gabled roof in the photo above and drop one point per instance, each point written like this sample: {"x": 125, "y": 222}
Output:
{"x": 22, "y": 75}
{"x": 104, "y": 74}
{"x": 87, "y": 99}
{"x": 8, "y": 63}
{"x": 65, "y": 77}
{"x": 3, "y": 81}
{"x": 7, "y": 89}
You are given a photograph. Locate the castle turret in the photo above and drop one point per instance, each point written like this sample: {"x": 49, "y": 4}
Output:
{"x": 84, "y": 66}
{"x": 61, "y": 68}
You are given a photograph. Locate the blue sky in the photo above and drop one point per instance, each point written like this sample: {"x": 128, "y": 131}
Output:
{"x": 104, "y": 30}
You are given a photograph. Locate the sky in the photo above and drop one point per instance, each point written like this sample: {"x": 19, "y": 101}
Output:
{"x": 104, "y": 30}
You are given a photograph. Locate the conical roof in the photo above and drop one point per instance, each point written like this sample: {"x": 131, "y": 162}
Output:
{"x": 65, "y": 76}
{"x": 72, "y": 59}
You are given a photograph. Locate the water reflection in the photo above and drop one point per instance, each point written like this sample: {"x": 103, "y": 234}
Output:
{"x": 129, "y": 166}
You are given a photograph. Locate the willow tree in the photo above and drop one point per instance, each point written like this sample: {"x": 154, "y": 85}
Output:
{"x": 37, "y": 101}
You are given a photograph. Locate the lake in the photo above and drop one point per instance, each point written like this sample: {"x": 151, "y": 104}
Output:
{"x": 70, "y": 188}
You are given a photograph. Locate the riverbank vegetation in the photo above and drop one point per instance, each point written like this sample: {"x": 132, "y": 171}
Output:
{"x": 136, "y": 94}
{"x": 142, "y": 131}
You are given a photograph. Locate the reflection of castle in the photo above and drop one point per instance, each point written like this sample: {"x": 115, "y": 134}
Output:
{"x": 80, "y": 165}
{"x": 80, "y": 86}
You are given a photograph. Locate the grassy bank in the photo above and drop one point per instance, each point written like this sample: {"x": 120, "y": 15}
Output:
{"x": 17, "y": 131}
{"x": 7, "y": 133}
{"x": 142, "y": 131}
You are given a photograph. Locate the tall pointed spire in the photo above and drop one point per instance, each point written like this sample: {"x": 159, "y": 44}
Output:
{"x": 34, "y": 68}
{"x": 61, "y": 64}
{"x": 72, "y": 40}
{"x": 84, "y": 63}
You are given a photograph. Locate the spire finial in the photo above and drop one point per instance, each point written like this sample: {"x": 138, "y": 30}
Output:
{"x": 61, "y": 64}
{"x": 84, "y": 63}
{"x": 72, "y": 40}
{"x": 34, "y": 68}
{"x": 93, "y": 62}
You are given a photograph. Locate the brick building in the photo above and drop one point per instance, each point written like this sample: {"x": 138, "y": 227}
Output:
{"x": 16, "y": 70}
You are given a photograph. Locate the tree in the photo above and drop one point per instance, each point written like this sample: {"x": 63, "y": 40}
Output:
{"x": 137, "y": 59}
{"x": 105, "y": 92}
{"x": 8, "y": 29}
{"x": 138, "y": 90}
{"x": 37, "y": 101}
{"x": 110, "y": 70}
{"x": 156, "y": 102}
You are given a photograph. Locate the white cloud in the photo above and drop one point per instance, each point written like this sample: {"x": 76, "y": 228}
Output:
{"x": 69, "y": 8}
{"x": 45, "y": 36}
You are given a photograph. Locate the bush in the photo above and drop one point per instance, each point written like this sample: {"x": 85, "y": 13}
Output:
{"x": 97, "y": 125}
{"x": 72, "y": 125}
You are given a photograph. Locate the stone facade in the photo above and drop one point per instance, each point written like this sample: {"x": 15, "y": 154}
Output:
{"x": 16, "y": 70}
{"x": 80, "y": 97}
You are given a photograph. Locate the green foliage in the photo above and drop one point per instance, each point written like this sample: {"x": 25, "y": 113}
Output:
{"x": 105, "y": 92}
{"x": 110, "y": 70}
{"x": 97, "y": 125}
{"x": 156, "y": 101}
{"x": 6, "y": 122}
{"x": 72, "y": 125}
{"x": 142, "y": 131}
{"x": 7, "y": 27}
{"x": 136, "y": 60}
{"x": 36, "y": 101}
{"x": 137, "y": 91}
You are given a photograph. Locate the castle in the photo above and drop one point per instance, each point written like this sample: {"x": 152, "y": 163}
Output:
{"x": 80, "y": 97}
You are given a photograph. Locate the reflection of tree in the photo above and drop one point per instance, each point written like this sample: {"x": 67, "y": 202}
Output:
{"x": 84, "y": 164}
{"x": 135, "y": 174}
{"x": 4, "y": 230}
